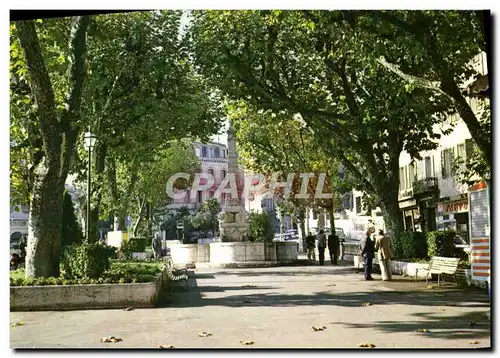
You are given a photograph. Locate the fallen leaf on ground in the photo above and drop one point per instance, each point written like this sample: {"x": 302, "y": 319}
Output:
{"x": 247, "y": 343}
{"x": 441, "y": 309}
{"x": 474, "y": 342}
{"x": 316, "y": 329}
{"x": 332, "y": 284}
{"x": 249, "y": 286}
{"x": 472, "y": 323}
{"x": 128, "y": 309}
{"x": 17, "y": 324}
{"x": 111, "y": 339}
{"x": 165, "y": 346}
{"x": 366, "y": 304}
{"x": 204, "y": 334}
{"x": 367, "y": 345}
{"x": 423, "y": 330}
{"x": 429, "y": 287}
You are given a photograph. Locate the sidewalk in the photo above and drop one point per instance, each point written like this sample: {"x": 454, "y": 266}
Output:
{"x": 276, "y": 307}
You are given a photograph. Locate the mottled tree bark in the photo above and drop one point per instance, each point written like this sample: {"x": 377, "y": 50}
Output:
{"x": 59, "y": 136}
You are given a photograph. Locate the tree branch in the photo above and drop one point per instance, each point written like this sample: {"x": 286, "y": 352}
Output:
{"x": 418, "y": 81}
{"x": 41, "y": 88}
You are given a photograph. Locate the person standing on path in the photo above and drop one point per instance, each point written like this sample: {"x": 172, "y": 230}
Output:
{"x": 333, "y": 247}
{"x": 368, "y": 251}
{"x": 383, "y": 246}
{"x": 156, "y": 246}
{"x": 321, "y": 247}
{"x": 310, "y": 245}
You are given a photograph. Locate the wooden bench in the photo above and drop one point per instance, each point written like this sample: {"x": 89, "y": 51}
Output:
{"x": 439, "y": 266}
{"x": 175, "y": 275}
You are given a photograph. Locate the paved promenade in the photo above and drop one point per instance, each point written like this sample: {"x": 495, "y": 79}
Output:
{"x": 276, "y": 308}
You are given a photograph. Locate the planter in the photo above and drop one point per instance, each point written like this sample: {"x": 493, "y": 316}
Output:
{"x": 286, "y": 252}
{"x": 184, "y": 253}
{"x": 142, "y": 255}
{"x": 409, "y": 269}
{"x": 70, "y": 297}
{"x": 240, "y": 254}
{"x": 203, "y": 253}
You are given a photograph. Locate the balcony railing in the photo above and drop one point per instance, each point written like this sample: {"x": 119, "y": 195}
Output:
{"x": 425, "y": 185}
{"x": 405, "y": 194}
{"x": 213, "y": 160}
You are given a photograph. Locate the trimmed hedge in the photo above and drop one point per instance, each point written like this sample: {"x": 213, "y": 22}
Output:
{"x": 86, "y": 260}
{"x": 120, "y": 272}
{"x": 134, "y": 245}
{"x": 411, "y": 245}
{"x": 441, "y": 243}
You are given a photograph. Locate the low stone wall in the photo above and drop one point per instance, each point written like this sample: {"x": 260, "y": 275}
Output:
{"x": 203, "y": 253}
{"x": 286, "y": 252}
{"x": 184, "y": 253}
{"x": 409, "y": 269}
{"x": 236, "y": 254}
{"x": 70, "y": 297}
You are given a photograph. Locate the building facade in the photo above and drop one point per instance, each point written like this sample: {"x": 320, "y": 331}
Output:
{"x": 213, "y": 158}
{"x": 430, "y": 197}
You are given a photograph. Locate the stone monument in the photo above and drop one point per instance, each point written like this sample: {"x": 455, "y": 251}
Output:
{"x": 233, "y": 220}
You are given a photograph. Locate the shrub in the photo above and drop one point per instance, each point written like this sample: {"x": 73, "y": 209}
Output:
{"x": 86, "y": 260}
{"x": 411, "y": 245}
{"x": 261, "y": 228}
{"x": 133, "y": 245}
{"x": 71, "y": 230}
{"x": 441, "y": 243}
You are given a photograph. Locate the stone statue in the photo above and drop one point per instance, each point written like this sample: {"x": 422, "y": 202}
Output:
{"x": 233, "y": 220}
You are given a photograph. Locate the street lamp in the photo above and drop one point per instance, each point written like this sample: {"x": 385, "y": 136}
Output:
{"x": 90, "y": 140}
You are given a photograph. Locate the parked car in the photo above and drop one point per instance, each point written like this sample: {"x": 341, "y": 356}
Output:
{"x": 291, "y": 234}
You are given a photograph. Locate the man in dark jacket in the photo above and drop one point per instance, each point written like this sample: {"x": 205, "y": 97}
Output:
{"x": 333, "y": 248}
{"x": 310, "y": 245}
{"x": 321, "y": 246}
{"x": 368, "y": 251}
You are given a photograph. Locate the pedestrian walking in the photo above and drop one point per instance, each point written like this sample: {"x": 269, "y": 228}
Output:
{"x": 383, "y": 247}
{"x": 310, "y": 245}
{"x": 333, "y": 247}
{"x": 368, "y": 252}
{"x": 321, "y": 247}
{"x": 156, "y": 246}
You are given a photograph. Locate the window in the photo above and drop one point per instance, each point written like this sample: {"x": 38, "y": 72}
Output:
{"x": 204, "y": 151}
{"x": 199, "y": 196}
{"x": 461, "y": 151}
{"x": 211, "y": 172}
{"x": 446, "y": 163}
{"x": 428, "y": 167}
{"x": 223, "y": 173}
{"x": 216, "y": 152}
{"x": 402, "y": 179}
{"x": 210, "y": 152}
{"x": 358, "y": 204}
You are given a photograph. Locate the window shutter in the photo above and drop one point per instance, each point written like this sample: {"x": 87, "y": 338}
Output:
{"x": 443, "y": 164}
{"x": 469, "y": 148}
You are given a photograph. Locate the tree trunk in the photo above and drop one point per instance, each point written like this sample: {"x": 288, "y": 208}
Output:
{"x": 332, "y": 219}
{"x": 302, "y": 229}
{"x": 393, "y": 219}
{"x": 59, "y": 136}
{"x": 139, "y": 219}
{"x": 44, "y": 224}
{"x": 101, "y": 150}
